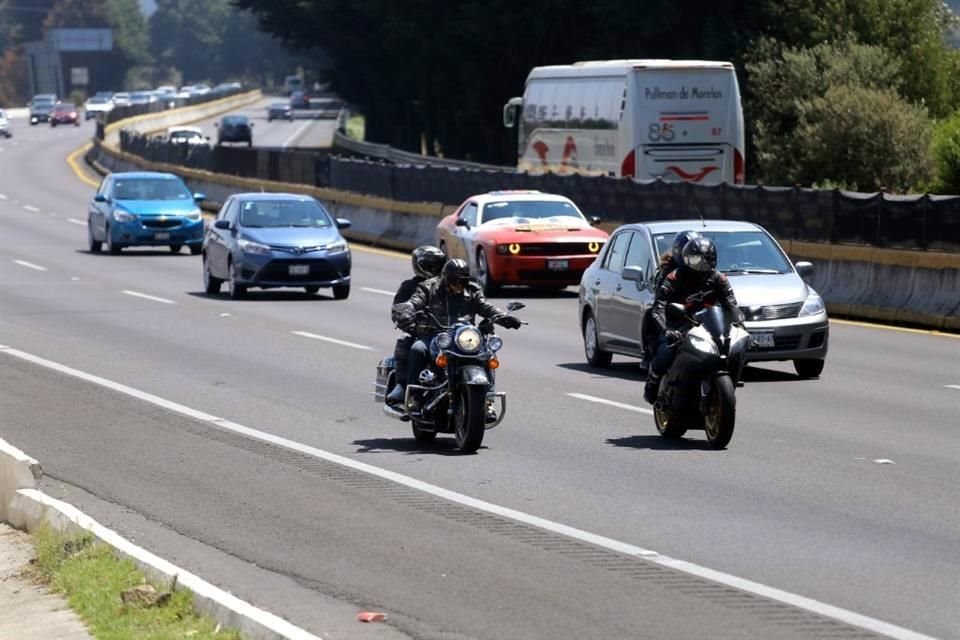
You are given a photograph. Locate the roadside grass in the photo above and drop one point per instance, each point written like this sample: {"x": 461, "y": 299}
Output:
{"x": 355, "y": 127}
{"x": 92, "y": 579}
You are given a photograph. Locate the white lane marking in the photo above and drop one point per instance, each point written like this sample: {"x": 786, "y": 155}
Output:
{"x": 3, "y": 196}
{"x": 279, "y": 627}
{"x": 29, "y": 265}
{"x": 313, "y": 336}
{"x": 296, "y": 134}
{"x": 31, "y": 208}
{"x": 135, "y": 294}
{"x": 378, "y": 291}
{"x": 75, "y": 221}
{"x": 619, "y": 405}
{"x": 772, "y": 593}
{"x": 952, "y": 386}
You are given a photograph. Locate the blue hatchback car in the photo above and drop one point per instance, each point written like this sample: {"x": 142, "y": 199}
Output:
{"x": 144, "y": 209}
{"x": 271, "y": 240}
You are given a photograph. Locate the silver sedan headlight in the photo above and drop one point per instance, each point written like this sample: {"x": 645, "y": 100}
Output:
{"x": 812, "y": 306}
{"x": 254, "y": 248}
{"x": 469, "y": 340}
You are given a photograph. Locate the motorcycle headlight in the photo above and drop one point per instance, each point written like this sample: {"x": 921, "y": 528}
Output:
{"x": 812, "y": 306}
{"x": 123, "y": 216}
{"x": 194, "y": 216}
{"x": 702, "y": 344}
{"x": 469, "y": 340}
{"x": 255, "y": 248}
{"x": 444, "y": 340}
{"x": 494, "y": 343}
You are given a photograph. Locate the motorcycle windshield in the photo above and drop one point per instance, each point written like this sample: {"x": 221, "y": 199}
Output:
{"x": 714, "y": 320}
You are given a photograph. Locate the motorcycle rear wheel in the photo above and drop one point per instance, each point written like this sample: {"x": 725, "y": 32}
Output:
{"x": 721, "y": 413}
{"x": 469, "y": 417}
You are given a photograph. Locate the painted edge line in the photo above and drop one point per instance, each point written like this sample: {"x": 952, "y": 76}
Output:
{"x": 612, "y": 403}
{"x": 136, "y": 294}
{"x": 189, "y": 580}
{"x": 778, "y": 595}
{"x": 344, "y": 343}
{"x": 72, "y": 161}
{"x": 29, "y": 265}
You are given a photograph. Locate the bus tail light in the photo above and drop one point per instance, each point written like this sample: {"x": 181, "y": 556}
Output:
{"x": 629, "y": 167}
{"x": 739, "y": 171}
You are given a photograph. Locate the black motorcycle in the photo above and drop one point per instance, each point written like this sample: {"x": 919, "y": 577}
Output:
{"x": 698, "y": 391}
{"x": 455, "y": 392}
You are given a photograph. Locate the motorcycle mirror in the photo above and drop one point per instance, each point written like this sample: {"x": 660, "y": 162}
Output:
{"x": 676, "y": 313}
{"x": 514, "y": 305}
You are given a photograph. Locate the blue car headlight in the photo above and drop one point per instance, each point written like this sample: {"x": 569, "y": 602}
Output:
{"x": 194, "y": 216}
{"x": 254, "y": 248}
{"x": 812, "y": 306}
{"x": 123, "y": 216}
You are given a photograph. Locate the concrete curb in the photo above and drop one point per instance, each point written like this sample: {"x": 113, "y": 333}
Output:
{"x": 25, "y": 507}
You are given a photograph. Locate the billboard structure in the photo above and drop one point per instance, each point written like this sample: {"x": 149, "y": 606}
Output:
{"x": 68, "y": 59}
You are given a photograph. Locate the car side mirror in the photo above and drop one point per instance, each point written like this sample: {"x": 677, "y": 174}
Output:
{"x": 676, "y": 314}
{"x": 252, "y": 123}
{"x": 805, "y": 269}
{"x": 462, "y": 222}
{"x": 100, "y": 198}
{"x": 343, "y": 223}
{"x": 595, "y": 220}
{"x": 221, "y": 224}
{"x": 216, "y": 124}
{"x": 515, "y": 305}
{"x": 199, "y": 197}
{"x": 633, "y": 273}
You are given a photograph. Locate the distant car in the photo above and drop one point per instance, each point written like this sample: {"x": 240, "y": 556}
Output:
{"x": 65, "y": 113}
{"x": 299, "y": 100}
{"x": 786, "y": 318}
{"x": 144, "y": 208}
{"x": 142, "y": 97}
{"x": 279, "y": 111}
{"x": 121, "y": 99}
{"x": 187, "y": 135}
{"x": 5, "y": 125}
{"x": 95, "y": 105}
{"x": 271, "y": 240}
{"x": 234, "y": 128}
{"x": 40, "y": 107}
{"x": 522, "y": 238}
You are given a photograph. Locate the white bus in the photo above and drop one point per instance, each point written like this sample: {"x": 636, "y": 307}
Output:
{"x": 679, "y": 120}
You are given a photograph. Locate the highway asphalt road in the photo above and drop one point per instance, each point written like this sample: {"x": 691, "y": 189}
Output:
{"x": 842, "y": 490}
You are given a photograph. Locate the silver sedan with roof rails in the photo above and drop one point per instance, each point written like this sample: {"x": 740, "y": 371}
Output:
{"x": 786, "y": 318}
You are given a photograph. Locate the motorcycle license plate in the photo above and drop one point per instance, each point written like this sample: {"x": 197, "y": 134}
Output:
{"x": 558, "y": 265}
{"x": 161, "y": 236}
{"x": 762, "y": 340}
{"x": 299, "y": 269}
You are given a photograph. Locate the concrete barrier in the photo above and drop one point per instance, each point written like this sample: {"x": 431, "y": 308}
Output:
{"x": 25, "y": 507}
{"x": 887, "y": 285}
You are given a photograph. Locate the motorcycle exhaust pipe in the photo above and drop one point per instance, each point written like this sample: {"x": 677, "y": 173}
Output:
{"x": 393, "y": 413}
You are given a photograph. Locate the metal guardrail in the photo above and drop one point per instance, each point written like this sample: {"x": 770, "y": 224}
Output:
{"x": 349, "y": 146}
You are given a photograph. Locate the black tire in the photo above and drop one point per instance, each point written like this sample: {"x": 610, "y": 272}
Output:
{"x": 470, "y": 417}
{"x": 211, "y": 283}
{"x": 484, "y": 278}
{"x": 112, "y": 247}
{"x": 596, "y": 357}
{"x": 175, "y": 248}
{"x": 94, "y": 245}
{"x": 312, "y": 289}
{"x": 341, "y": 291}
{"x": 53, "y": 123}
{"x": 721, "y": 414}
{"x": 237, "y": 291}
{"x": 195, "y": 249}
{"x": 665, "y": 426}
{"x": 809, "y": 368}
{"x": 422, "y": 434}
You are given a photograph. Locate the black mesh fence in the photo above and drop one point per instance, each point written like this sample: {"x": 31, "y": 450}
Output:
{"x": 922, "y": 222}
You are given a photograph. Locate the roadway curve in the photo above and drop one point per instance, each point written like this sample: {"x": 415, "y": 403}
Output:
{"x": 805, "y": 500}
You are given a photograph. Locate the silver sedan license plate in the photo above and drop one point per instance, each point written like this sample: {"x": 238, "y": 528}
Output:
{"x": 161, "y": 236}
{"x": 762, "y": 340}
{"x": 299, "y": 269}
{"x": 558, "y": 265}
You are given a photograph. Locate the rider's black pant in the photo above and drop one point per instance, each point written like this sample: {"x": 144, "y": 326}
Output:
{"x": 401, "y": 353}
{"x": 418, "y": 360}
{"x": 664, "y": 356}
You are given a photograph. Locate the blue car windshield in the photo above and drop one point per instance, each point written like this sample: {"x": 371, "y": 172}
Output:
{"x": 738, "y": 252}
{"x": 150, "y": 189}
{"x": 284, "y": 213}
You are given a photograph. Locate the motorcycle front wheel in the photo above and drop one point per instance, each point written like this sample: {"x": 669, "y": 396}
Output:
{"x": 469, "y": 417}
{"x": 667, "y": 426}
{"x": 721, "y": 413}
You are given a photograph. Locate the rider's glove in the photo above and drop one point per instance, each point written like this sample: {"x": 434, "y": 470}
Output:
{"x": 673, "y": 335}
{"x": 510, "y": 322}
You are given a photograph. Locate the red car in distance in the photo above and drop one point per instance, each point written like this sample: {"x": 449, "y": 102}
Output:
{"x": 65, "y": 113}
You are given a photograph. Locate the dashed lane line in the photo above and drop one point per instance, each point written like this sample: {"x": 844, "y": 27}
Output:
{"x": 29, "y": 265}
{"x": 344, "y": 343}
{"x": 611, "y": 403}
{"x": 137, "y": 294}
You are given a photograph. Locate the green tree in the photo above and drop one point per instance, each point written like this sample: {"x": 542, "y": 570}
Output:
{"x": 946, "y": 155}
{"x": 188, "y": 35}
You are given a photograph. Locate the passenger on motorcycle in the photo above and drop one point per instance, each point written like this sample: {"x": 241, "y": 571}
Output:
{"x": 696, "y": 284}
{"x": 451, "y": 297}
{"x": 427, "y": 262}
{"x": 669, "y": 261}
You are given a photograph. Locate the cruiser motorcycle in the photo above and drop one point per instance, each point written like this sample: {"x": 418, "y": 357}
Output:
{"x": 698, "y": 391}
{"x": 455, "y": 393}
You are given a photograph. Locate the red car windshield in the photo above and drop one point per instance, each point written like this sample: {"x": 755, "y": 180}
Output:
{"x": 530, "y": 209}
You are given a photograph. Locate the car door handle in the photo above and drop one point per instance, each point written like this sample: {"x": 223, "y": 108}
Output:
{"x": 619, "y": 286}
{"x": 597, "y": 282}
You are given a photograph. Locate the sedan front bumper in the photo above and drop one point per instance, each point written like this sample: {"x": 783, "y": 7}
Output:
{"x": 803, "y": 338}
{"x": 284, "y": 270}
{"x": 141, "y": 233}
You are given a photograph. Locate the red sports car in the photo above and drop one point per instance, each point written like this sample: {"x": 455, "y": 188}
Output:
{"x": 65, "y": 113}
{"x": 523, "y": 238}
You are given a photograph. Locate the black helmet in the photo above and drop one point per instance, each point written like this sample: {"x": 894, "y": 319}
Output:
{"x": 679, "y": 242}
{"x": 455, "y": 271}
{"x": 700, "y": 255}
{"x": 427, "y": 261}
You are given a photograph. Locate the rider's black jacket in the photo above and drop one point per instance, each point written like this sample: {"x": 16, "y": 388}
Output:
{"x": 407, "y": 289}
{"x": 432, "y": 296}
{"x": 694, "y": 291}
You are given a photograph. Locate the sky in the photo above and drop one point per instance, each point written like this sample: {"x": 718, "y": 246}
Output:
{"x": 149, "y": 6}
